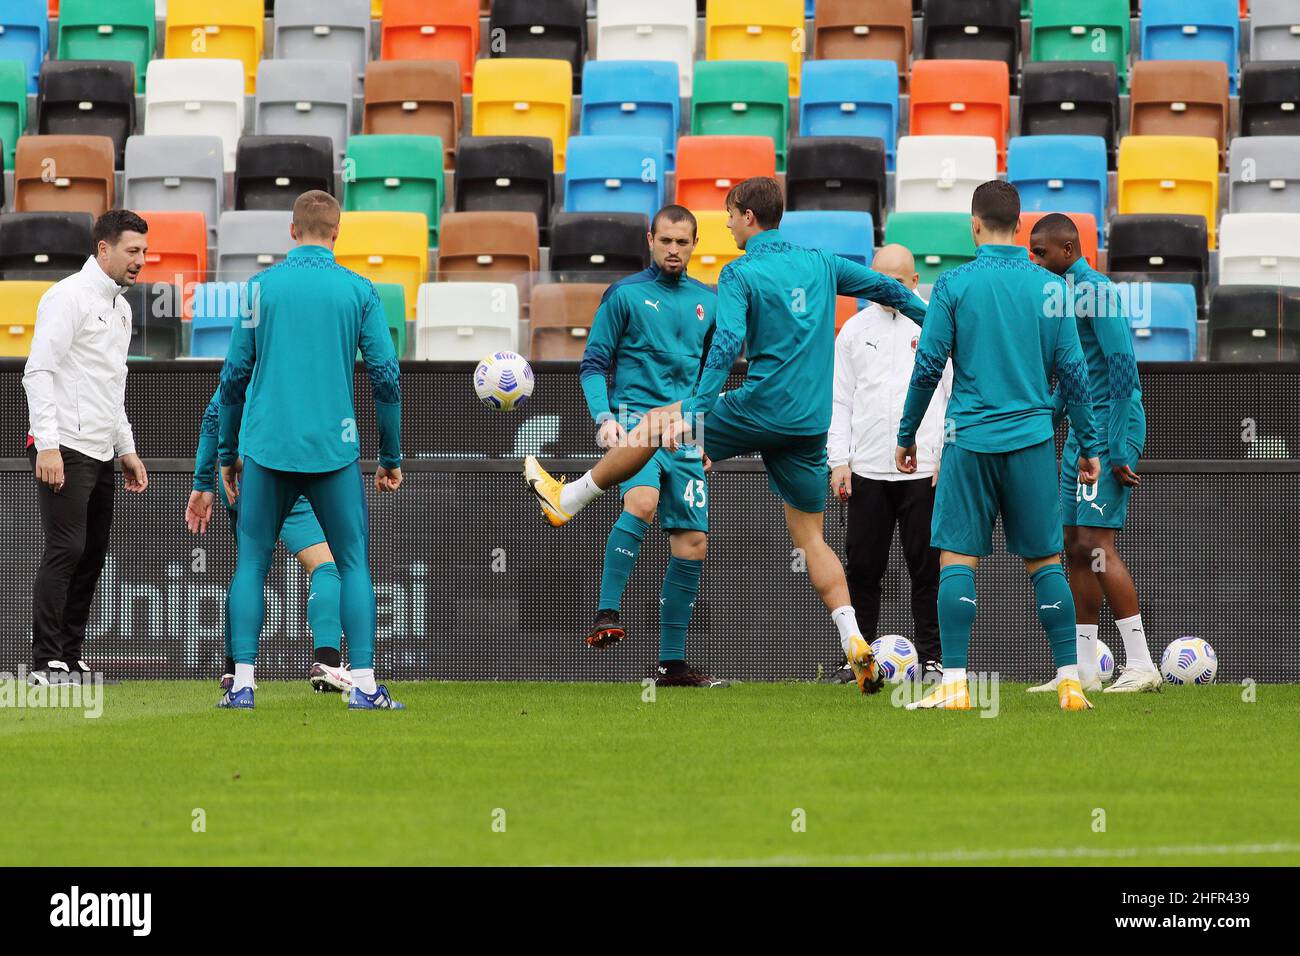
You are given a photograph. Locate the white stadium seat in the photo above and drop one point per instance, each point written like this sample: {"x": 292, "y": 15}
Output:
{"x": 196, "y": 98}
{"x": 940, "y": 173}
{"x": 463, "y": 321}
{"x": 659, "y": 30}
{"x": 1259, "y": 248}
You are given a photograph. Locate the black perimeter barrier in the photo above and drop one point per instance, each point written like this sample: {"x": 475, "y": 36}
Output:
{"x": 472, "y": 584}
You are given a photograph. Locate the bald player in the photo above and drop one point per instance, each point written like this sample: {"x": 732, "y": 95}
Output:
{"x": 1092, "y": 514}
{"x": 874, "y": 355}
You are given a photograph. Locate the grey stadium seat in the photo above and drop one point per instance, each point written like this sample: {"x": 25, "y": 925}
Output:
{"x": 324, "y": 30}
{"x": 252, "y": 240}
{"x": 1264, "y": 174}
{"x": 1273, "y": 30}
{"x": 176, "y": 172}
{"x": 305, "y": 98}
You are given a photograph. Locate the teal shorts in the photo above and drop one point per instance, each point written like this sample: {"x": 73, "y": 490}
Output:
{"x": 300, "y": 530}
{"x": 1103, "y": 505}
{"x": 683, "y": 490}
{"x": 796, "y": 464}
{"x": 975, "y": 487}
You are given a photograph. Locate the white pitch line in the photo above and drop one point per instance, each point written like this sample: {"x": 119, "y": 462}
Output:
{"x": 991, "y": 856}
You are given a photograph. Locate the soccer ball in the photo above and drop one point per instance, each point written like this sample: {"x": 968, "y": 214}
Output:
{"x": 1189, "y": 660}
{"x": 1105, "y": 662}
{"x": 503, "y": 380}
{"x": 896, "y": 656}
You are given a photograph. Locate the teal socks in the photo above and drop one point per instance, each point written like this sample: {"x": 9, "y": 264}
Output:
{"x": 681, "y": 585}
{"x": 323, "y": 607}
{"x": 1055, "y": 606}
{"x": 620, "y": 555}
{"x": 956, "y": 613}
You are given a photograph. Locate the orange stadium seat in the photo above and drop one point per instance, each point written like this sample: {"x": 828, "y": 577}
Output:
{"x": 1085, "y": 222}
{"x": 962, "y": 98}
{"x": 414, "y": 98}
{"x": 865, "y": 30}
{"x": 522, "y": 97}
{"x": 708, "y": 166}
{"x": 419, "y": 30}
{"x": 386, "y": 247}
{"x": 560, "y": 318}
{"x": 217, "y": 30}
{"x": 64, "y": 174}
{"x": 178, "y": 248}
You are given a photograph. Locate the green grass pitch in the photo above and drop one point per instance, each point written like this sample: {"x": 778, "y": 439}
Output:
{"x": 533, "y": 773}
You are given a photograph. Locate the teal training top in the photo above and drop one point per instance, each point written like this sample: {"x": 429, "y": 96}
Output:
{"x": 778, "y": 300}
{"x": 288, "y": 374}
{"x": 650, "y": 330}
{"x": 205, "y": 456}
{"x": 1102, "y": 322}
{"x": 1007, "y": 325}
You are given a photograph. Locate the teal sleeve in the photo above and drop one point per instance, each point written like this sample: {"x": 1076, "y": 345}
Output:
{"x": 602, "y": 345}
{"x": 729, "y": 329}
{"x": 853, "y": 279}
{"x": 1058, "y": 406}
{"x": 205, "y": 456}
{"x": 932, "y": 351}
{"x": 385, "y": 379}
{"x": 235, "y": 376}
{"x": 1072, "y": 373}
{"x": 1112, "y": 333}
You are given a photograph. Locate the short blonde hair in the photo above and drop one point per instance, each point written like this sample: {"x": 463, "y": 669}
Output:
{"x": 316, "y": 213}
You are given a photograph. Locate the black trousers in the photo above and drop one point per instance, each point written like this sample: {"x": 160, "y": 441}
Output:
{"x": 76, "y": 521}
{"x": 874, "y": 508}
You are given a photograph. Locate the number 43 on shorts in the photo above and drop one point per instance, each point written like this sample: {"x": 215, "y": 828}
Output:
{"x": 696, "y": 495}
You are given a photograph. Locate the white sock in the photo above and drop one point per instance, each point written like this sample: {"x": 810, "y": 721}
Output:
{"x": 1136, "y": 652}
{"x": 243, "y": 676}
{"x": 951, "y": 674}
{"x": 847, "y": 622}
{"x": 364, "y": 679}
{"x": 1086, "y": 643}
{"x": 1068, "y": 672}
{"x": 576, "y": 495}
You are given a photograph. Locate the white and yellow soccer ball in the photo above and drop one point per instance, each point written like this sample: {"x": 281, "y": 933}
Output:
{"x": 503, "y": 380}
{"x": 1105, "y": 663}
{"x": 897, "y": 658}
{"x": 1189, "y": 660}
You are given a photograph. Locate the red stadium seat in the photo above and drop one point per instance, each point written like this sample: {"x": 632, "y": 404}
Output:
{"x": 1083, "y": 221}
{"x": 962, "y": 98}
{"x": 419, "y": 30}
{"x": 708, "y": 166}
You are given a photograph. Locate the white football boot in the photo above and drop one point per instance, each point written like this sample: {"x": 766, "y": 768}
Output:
{"x": 1135, "y": 680}
{"x": 327, "y": 679}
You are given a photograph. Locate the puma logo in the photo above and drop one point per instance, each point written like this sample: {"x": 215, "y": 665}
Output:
{"x": 872, "y": 344}
{"x": 1052, "y": 607}
{"x": 1101, "y": 508}
{"x": 654, "y": 305}
{"x": 967, "y": 600}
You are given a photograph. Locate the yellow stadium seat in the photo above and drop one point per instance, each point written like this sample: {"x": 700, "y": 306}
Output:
{"x": 386, "y": 247}
{"x": 217, "y": 30}
{"x": 757, "y": 30}
{"x": 521, "y": 97}
{"x": 715, "y": 249}
{"x": 1170, "y": 174}
{"x": 18, "y": 301}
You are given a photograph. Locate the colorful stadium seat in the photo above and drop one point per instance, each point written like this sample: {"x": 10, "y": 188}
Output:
{"x": 305, "y": 98}
{"x": 123, "y": 30}
{"x": 850, "y": 98}
{"x": 463, "y": 321}
{"x": 742, "y": 98}
{"x": 196, "y": 98}
{"x": 940, "y": 173}
{"x": 250, "y": 240}
{"x": 541, "y": 30}
{"x": 217, "y": 307}
{"x": 1253, "y": 323}
{"x": 88, "y": 98}
{"x": 636, "y": 30}
{"x": 615, "y": 174}
{"x": 972, "y": 30}
{"x": 506, "y": 174}
{"x": 1171, "y": 174}
{"x": 64, "y": 174}
{"x": 961, "y": 98}
{"x": 178, "y": 247}
{"x": 386, "y": 247}
{"x": 1260, "y": 248}
{"x": 1065, "y": 30}
{"x": 708, "y": 166}
{"x": 13, "y": 109}
{"x": 756, "y": 30}
{"x": 1180, "y": 98}
{"x": 417, "y": 98}
{"x": 395, "y": 174}
{"x": 1162, "y": 320}
{"x": 489, "y": 247}
{"x": 1089, "y": 231}
{"x": 1270, "y": 99}
{"x": 25, "y": 37}
{"x": 560, "y": 318}
{"x": 1070, "y": 99}
{"x": 393, "y": 300}
{"x": 175, "y": 172}
{"x": 325, "y": 30}
{"x": 872, "y": 30}
{"x": 1264, "y": 174}
{"x": 519, "y": 97}
{"x": 1274, "y": 30}
{"x": 274, "y": 170}
{"x": 1060, "y": 174}
{"x": 18, "y": 302}
{"x": 598, "y": 246}
{"x": 217, "y": 30}
{"x": 43, "y": 245}
{"x": 632, "y": 98}
{"x": 1192, "y": 30}
{"x": 1160, "y": 248}
{"x": 716, "y": 246}
{"x": 848, "y": 234}
{"x": 837, "y": 172}
{"x": 939, "y": 240}
{"x": 419, "y": 30}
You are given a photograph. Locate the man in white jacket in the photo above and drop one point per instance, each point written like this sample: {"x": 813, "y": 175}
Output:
{"x": 75, "y": 381}
{"x": 874, "y": 354}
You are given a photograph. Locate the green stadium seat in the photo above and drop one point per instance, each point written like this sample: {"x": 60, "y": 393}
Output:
{"x": 939, "y": 240}
{"x": 395, "y": 173}
{"x": 742, "y": 98}
{"x": 394, "y": 301}
{"x": 1069, "y": 30}
{"x": 122, "y": 30}
{"x": 13, "y": 107}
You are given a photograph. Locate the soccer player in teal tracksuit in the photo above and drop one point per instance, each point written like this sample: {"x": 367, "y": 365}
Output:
{"x": 1007, "y": 327}
{"x": 1093, "y": 514}
{"x": 778, "y": 300}
{"x": 302, "y": 537}
{"x": 286, "y": 407}
{"x": 651, "y": 331}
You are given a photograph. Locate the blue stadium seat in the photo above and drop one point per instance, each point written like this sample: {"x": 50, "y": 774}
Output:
{"x": 25, "y": 35}
{"x": 1192, "y": 30}
{"x": 848, "y": 234}
{"x": 1162, "y": 320}
{"x": 632, "y": 98}
{"x": 217, "y": 307}
{"x": 850, "y": 98}
{"x": 614, "y": 174}
{"x": 1060, "y": 174}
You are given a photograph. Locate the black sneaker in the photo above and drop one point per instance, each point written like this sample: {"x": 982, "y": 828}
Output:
{"x": 686, "y": 676}
{"x": 838, "y": 674}
{"x": 932, "y": 667}
{"x": 606, "y": 632}
{"x": 59, "y": 673}
{"x": 38, "y": 677}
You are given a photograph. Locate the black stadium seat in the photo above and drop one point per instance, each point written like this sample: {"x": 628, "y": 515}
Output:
{"x": 973, "y": 30}
{"x": 88, "y": 98}
{"x": 44, "y": 245}
{"x": 1071, "y": 98}
{"x": 506, "y": 174}
{"x": 1156, "y": 247}
{"x": 272, "y": 171}
{"x": 1270, "y": 98}
{"x": 155, "y": 320}
{"x": 598, "y": 246}
{"x": 1255, "y": 323}
{"x": 837, "y": 172}
{"x": 541, "y": 29}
